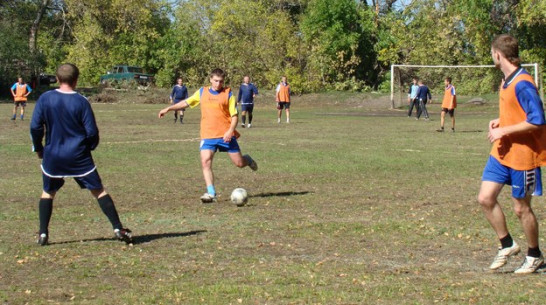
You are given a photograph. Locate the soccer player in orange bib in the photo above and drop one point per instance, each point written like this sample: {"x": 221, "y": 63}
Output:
{"x": 20, "y": 91}
{"x": 282, "y": 97}
{"x": 518, "y": 152}
{"x": 448, "y": 105}
{"x": 219, "y": 118}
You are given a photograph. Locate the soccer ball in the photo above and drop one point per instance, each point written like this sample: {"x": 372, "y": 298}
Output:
{"x": 239, "y": 196}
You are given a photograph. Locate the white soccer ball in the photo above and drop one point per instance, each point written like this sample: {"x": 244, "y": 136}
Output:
{"x": 239, "y": 196}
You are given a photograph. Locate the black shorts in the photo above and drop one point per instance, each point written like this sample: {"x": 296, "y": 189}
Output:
{"x": 247, "y": 107}
{"x": 281, "y": 105}
{"x": 91, "y": 181}
{"x": 20, "y": 103}
{"x": 450, "y": 111}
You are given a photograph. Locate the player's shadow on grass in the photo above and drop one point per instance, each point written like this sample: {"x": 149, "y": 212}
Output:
{"x": 280, "y": 194}
{"x": 138, "y": 239}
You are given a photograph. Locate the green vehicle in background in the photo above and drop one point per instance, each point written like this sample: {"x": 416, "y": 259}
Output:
{"x": 125, "y": 73}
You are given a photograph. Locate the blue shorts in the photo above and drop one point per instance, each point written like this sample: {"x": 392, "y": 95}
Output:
{"x": 90, "y": 181}
{"x": 218, "y": 144}
{"x": 528, "y": 182}
{"x": 247, "y": 107}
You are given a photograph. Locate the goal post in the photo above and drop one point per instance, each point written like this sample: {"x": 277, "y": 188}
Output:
{"x": 534, "y": 66}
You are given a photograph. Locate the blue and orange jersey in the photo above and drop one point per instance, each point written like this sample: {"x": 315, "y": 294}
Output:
{"x": 283, "y": 92}
{"x": 519, "y": 101}
{"x": 450, "y": 97}
{"x": 217, "y": 110}
{"x": 20, "y": 91}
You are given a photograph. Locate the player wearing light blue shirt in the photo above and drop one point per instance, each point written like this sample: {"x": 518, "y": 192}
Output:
{"x": 412, "y": 97}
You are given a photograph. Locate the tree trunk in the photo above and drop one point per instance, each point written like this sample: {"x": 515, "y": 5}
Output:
{"x": 35, "y": 25}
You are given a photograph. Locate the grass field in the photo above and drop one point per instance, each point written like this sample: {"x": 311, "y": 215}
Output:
{"x": 352, "y": 204}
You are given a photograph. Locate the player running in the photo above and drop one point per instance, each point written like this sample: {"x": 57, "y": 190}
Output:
{"x": 178, "y": 94}
{"x": 219, "y": 118}
{"x": 449, "y": 103}
{"x": 247, "y": 93}
{"x": 68, "y": 122}
{"x": 20, "y": 92}
{"x": 519, "y": 149}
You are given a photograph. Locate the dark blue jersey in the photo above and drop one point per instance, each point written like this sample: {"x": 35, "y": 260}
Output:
{"x": 179, "y": 93}
{"x": 424, "y": 93}
{"x": 71, "y": 133}
{"x": 246, "y": 94}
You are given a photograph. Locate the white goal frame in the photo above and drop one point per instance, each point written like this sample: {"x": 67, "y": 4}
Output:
{"x": 535, "y": 66}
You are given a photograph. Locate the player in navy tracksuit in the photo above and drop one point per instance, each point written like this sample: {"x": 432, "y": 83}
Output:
{"x": 247, "y": 92}
{"x": 423, "y": 95}
{"x": 179, "y": 93}
{"x": 68, "y": 123}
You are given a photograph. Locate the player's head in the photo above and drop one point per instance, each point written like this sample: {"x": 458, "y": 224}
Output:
{"x": 447, "y": 80}
{"x": 420, "y": 82}
{"x": 68, "y": 74}
{"x": 20, "y": 80}
{"x": 414, "y": 80}
{"x": 505, "y": 46}
{"x": 283, "y": 79}
{"x": 179, "y": 80}
{"x": 217, "y": 77}
{"x": 246, "y": 79}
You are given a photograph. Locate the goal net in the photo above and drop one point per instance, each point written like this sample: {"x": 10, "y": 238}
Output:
{"x": 470, "y": 80}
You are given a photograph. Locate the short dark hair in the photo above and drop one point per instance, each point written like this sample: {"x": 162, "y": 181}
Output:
{"x": 508, "y": 46}
{"x": 448, "y": 79}
{"x": 67, "y": 74}
{"x": 218, "y": 72}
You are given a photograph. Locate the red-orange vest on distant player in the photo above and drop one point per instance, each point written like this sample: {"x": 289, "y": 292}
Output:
{"x": 215, "y": 116}
{"x": 20, "y": 92}
{"x": 284, "y": 93}
{"x": 446, "y": 103}
{"x": 521, "y": 151}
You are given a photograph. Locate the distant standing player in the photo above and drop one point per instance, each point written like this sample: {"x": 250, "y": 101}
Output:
{"x": 179, "y": 93}
{"x": 282, "y": 97}
{"x": 449, "y": 104}
{"x": 20, "y": 92}
{"x": 412, "y": 97}
{"x": 519, "y": 149}
{"x": 247, "y": 93}
{"x": 68, "y": 122}
{"x": 219, "y": 120}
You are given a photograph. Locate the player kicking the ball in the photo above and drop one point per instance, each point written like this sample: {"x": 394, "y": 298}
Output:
{"x": 68, "y": 122}
{"x": 519, "y": 149}
{"x": 219, "y": 118}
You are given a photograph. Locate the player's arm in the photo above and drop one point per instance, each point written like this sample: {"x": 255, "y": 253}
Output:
{"x": 189, "y": 102}
{"x": 239, "y": 95}
{"x": 13, "y": 88}
{"x": 37, "y": 130}
{"x": 277, "y": 93}
{"x": 255, "y": 90}
{"x": 234, "y": 119}
{"x": 91, "y": 129}
{"x": 29, "y": 90}
{"x": 499, "y": 132}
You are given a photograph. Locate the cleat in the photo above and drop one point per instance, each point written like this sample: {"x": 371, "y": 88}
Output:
{"x": 502, "y": 256}
{"x": 249, "y": 125}
{"x": 278, "y": 121}
{"x": 13, "y": 119}
{"x": 452, "y": 129}
{"x": 440, "y": 130}
{"x": 243, "y": 125}
{"x": 208, "y": 198}
{"x": 251, "y": 163}
{"x": 43, "y": 240}
{"x": 181, "y": 122}
{"x": 124, "y": 234}
{"x": 530, "y": 265}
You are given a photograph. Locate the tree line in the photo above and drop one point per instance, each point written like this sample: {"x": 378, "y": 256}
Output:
{"x": 317, "y": 44}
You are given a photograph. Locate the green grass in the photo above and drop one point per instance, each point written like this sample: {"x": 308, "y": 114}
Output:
{"x": 352, "y": 204}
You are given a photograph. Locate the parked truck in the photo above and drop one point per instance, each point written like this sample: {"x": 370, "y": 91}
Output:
{"x": 127, "y": 73}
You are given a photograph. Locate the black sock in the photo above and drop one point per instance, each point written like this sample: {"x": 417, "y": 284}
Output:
{"x": 506, "y": 241}
{"x": 109, "y": 209}
{"x": 243, "y": 118}
{"x": 250, "y": 118}
{"x": 175, "y": 115}
{"x": 45, "y": 208}
{"x": 533, "y": 252}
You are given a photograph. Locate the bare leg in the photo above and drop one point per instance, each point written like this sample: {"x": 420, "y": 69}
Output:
{"x": 287, "y": 115}
{"x": 522, "y": 208}
{"x": 237, "y": 159}
{"x": 442, "y": 119}
{"x": 206, "y": 164}
{"x": 489, "y": 191}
